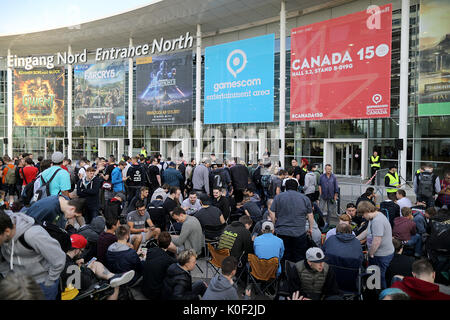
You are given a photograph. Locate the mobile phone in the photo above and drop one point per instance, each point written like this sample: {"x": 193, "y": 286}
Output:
{"x": 90, "y": 261}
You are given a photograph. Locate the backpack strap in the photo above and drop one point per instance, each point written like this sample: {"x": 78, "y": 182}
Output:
{"x": 24, "y": 178}
{"x": 22, "y": 238}
{"x": 47, "y": 184}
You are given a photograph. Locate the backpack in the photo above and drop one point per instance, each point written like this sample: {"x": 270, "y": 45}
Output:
{"x": 43, "y": 190}
{"x": 426, "y": 185}
{"x": 10, "y": 177}
{"x": 265, "y": 181}
{"x": 61, "y": 235}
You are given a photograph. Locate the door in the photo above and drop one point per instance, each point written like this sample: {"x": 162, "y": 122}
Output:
{"x": 246, "y": 149}
{"x": 172, "y": 147}
{"x": 347, "y": 159}
{"x": 108, "y": 147}
{"x": 53, "y": 145}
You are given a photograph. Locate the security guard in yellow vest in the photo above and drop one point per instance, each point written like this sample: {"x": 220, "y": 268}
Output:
{"x": 392, "y": 180}
{"x": 144, "y": 152}
{"x": 375, "y": 165}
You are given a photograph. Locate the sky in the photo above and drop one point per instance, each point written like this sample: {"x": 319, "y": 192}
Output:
{"x": 23, "y": 16}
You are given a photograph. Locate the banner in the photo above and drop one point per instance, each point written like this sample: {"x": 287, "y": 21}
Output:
{"x": 239, "y": 81}
{"x": 99, "y": 95}
{"x": 434, "y": 58}
{"x": 164, "y": 89}
{"x": 341, "y": 68}
{"x": 39, "y": 97}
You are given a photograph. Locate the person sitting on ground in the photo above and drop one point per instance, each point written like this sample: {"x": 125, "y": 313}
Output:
{"x": 173, "y": 201}
{"x": 26, "y": 248}
{"x": 237, "y": 237}
{"x": 121, "y": 257}
{"x": 222, "y": 286}
{"x": 116, "y": 206}
{"x": 314, "y": 278}
{"x": 343, "y": 218}
{"x": 178, "y": 281}
{"x": 163, "y": 191}
{"x": 221, "y": 201}
{"x": 390, "y": 208}
{"x": 91, "y": 272}
{"x": 369, "y": 195}
{"x": 267, "y": 245}
{"x": 137, "y": 221}
{"x": 421, "y": 285}
{"x": 191, "y": 235}
{"x": 141, "y": 194}
{"x": 57, "y": 210}
{"x": 358, "y": 224}
{"x": 400, "y": 264}
{"x": 107, "y": 238}
{"x": 191, "y": 204}
{"x": 343, "y": 249}
{"x": 210, "y": 216}
{"x": 405, "y": 231}
{"x": 155, "y": 267}
{"x": 251, "y": 193}
{"x": 92, "y": 232}
{"x": 402, "y": 200}
{"x": 257, "y": 229}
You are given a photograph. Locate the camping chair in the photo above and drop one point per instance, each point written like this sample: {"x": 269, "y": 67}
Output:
{"x": 217, "y": 256}
{"x": 263, "y": 273}
{"x": 212, "y": 235}
{"x": 349, "y": 281}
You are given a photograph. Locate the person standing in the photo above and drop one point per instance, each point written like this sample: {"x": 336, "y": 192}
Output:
{"x": 328, "y": 190}
{"x": 200, "y": 177}
{"x": 29, "y": 172}
{"x": 392, "y": 180}
{"x": 117, "y": 180}
{"x": 89, "y": 189}
{"x": 427, "y": 186}
{"x": 375, "y": 164}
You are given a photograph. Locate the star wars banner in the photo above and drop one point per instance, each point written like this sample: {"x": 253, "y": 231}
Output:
{"x": 434, "y": 58}
{"x": 99, "y": 94}
{"x": 39, "y": 97}
{"x": 164, "y": 89}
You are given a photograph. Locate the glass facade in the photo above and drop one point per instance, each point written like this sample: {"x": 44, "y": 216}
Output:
{"x": 428, "y": 137}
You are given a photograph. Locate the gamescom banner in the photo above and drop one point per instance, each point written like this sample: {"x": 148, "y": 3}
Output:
{"x": 99, "y": 95}
{"x": 164, "y": 89}
{"x": 341, "y": 68}
{"x": 434, "y": 62}
{"x": 39, "y": 97}
{"x": 239, "y": 81}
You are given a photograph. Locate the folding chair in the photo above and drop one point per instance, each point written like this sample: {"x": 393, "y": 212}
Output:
{"x": 263, "y": 273}
{"x": 349, "y": 281}
{"x": 217, "y": 256}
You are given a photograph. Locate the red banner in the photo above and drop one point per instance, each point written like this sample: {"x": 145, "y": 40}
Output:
{"x": 341, "y": 68}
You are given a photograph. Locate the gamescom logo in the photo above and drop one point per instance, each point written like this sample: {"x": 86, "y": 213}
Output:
{"x": 377, "y": 98}
{"x": 377, "y": 109}
{"x": 239, "y": 61}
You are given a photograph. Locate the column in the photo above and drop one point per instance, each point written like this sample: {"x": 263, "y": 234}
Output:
{"x": 198, "y": 92}
{"x": 282, "y": 121}
{"x": 10, "y": 108}
{"x": 69, "y": 105}
{"x": 130, "y": 105}
{"x": 404, "y": 64}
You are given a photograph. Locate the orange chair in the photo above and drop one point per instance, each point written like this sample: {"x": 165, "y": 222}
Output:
{"x": 263, "y": 273}
{"x": 217, "y": 257}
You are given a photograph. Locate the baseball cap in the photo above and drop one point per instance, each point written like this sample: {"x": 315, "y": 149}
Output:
{"x": 78, "y": 241}
{"x": 268, "y": 225}
{"x": 57, "y": 157}
{"x": 315, "y": 255}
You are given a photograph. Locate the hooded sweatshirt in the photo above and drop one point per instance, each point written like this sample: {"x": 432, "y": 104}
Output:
{"x": 220, "y": 288}
{"x": 343, "y": 249}
{"x": 418, "y": 289}
{"x": 92, "y": 231}
{"x": 310, "y": 183}
{"x": 404, "y": 228}
{"x": 121, "y": 258}
{"x": 44, "y": 263}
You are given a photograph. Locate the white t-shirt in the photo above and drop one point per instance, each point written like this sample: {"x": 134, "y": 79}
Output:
{"x": 404, "y": 202}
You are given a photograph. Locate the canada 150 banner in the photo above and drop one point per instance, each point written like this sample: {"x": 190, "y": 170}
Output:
{"x": 239, "y": 81}
{"x": 434, "y": 58}
{"x": 39, "y": 97}
{"x": 164, "y": 89}
{"x": 99, "y": 95}
{"x": 341, "y": 68}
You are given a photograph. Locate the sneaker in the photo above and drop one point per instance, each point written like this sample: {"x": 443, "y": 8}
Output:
{"x": 121, "y": 278}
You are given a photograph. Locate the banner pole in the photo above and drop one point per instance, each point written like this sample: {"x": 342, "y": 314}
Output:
{"x": 198, "y": 92}
{"x": 282, "y": 121}
{"x": 69, "y": 106}
{"x": 10, "y": 108}
{"x": 130, "y": 106}
{"x": 404, "y": 65}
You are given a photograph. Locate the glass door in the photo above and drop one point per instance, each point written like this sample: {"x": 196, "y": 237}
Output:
{"x": 347, "y": 159}
{"x": 339, "y": 158}
{"x": 53, "y": 145}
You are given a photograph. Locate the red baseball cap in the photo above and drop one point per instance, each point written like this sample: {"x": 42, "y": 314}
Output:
{"x": 78, "y": 241}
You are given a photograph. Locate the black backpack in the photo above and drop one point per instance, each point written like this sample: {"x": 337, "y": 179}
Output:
{"x": 426, "y": 184}
{"x": 28, "y": 191}
{"x": 61, "y": 235}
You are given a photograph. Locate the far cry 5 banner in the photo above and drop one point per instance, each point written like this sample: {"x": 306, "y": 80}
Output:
{"x": 99, "y": 95}
{"x": 39, "y": 97}
{"x": 164, "y": 89}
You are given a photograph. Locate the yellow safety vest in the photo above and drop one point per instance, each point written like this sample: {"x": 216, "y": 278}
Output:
{"x": 144, "y": 153}
{"x": 375, "y": 162}
{"x": 393, "y": 181}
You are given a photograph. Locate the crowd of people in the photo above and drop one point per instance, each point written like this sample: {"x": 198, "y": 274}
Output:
{"x": 72, "y": 231}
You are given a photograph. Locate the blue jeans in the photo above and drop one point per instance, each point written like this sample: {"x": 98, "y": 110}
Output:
{"x": 416, "y": 242}
{"x": 50, "y": 292}
{"x": 383, "y": 263}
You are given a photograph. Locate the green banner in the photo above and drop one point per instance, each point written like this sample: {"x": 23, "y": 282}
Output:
{"x": 434, "y": 58}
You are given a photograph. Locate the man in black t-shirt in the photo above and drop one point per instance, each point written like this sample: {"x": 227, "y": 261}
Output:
{"x": 154, "y": 176}
{"x": 109, "y": 194}
{"x": 209, "y": 216}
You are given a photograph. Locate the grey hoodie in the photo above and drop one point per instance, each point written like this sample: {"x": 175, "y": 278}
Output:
{"x": 92, "y": 231}
{"x": 220, "y": 288}
{"x": 45, "y": 263}
{"x": 310, "y": 183}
